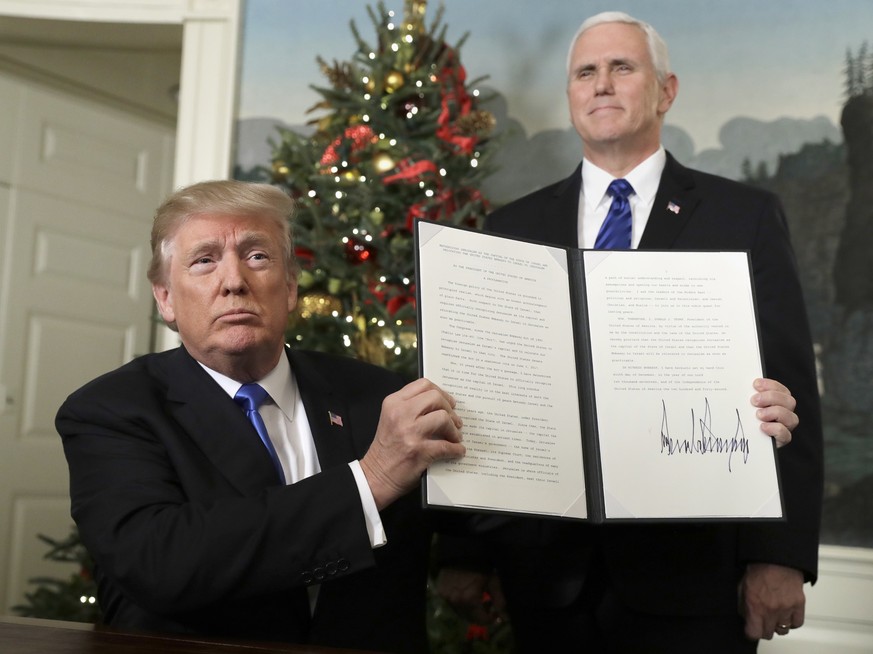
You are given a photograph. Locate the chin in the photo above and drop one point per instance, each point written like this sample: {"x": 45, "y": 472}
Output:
{"x": 239, "y": 342}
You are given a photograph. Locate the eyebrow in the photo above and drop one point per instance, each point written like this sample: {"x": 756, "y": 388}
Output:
{"x": 618, "y": 61}
{"x": 246, "y": 241}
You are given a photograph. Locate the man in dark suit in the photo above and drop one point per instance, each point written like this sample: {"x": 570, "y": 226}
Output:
{"x": 301, "y": 526}
{"x": 663, "y": 587}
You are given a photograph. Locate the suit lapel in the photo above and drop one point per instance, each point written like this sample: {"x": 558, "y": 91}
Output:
{"x": 674, "y": 205}
{"x": 217, "y": 425}
{"x": 328, "y": 413}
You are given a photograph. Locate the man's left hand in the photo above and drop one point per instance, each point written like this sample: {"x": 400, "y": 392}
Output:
{"x": 771, "y": 600}
{"x": 775, "y": 410}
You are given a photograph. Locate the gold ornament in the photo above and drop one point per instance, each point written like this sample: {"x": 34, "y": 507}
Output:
{"x": 383, "y": 162}
{"x": 350, "y": 176}
{"x": 317, "y": 304}
{"x": 413, "y": 15}
{"x": 280, "y": 169}
{"x": 393, "y": 81}
{"x": 305, "y": 279}
{"x": 334, "y": 285}
{"x": 377, "y": 217}
{"x": 477, "y": 123}
{"x": 369, "y": 348}
{"x": 407, "y": 339}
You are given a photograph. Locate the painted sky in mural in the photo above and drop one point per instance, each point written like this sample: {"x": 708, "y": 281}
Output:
{"x": 762, "y": 60}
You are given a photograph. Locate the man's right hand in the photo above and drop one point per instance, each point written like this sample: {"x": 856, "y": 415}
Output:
{"x": 418, "y": 425}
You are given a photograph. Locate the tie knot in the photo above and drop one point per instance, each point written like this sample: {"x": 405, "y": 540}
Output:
{"x": 620, "y": 188}
{"x": 250, "y": 396}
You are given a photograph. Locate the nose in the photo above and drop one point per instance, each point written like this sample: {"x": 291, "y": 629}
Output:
{"x": 602, "y": 81}
{"x": 233, "y": 276}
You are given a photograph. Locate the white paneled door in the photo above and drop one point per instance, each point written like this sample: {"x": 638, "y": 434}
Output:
{"x": 79, "y": 182}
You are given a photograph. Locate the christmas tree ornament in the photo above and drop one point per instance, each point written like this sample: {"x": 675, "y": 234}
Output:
{"x": 338, "y": 74}
{"x": 305, "y": 280}
{"x": 280, "y": 170}
{"x": 413, "y": 16}
{"x": 350, "y": 176}
{"x": 407, "y": 339}
{"x": 393, "y": 81}
{"x": 358, "y": 252}
{"x": 318, "y": 304}
{"x": 376, "y": 216}
{"x": 383, "y": 162}
{"x": 334, "y": 285}
{"x": 478, "y": 123}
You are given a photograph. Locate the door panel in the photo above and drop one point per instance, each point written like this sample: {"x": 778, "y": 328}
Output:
{"x": 75, "y": 214}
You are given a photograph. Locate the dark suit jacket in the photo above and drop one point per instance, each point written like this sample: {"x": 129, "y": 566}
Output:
{"x": 178, "y": 503}
{"x": 672, "y": 568}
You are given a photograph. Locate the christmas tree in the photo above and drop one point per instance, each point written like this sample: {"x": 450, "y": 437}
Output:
{"x": 72, "y": 598}
{"x": 399, "y": 136}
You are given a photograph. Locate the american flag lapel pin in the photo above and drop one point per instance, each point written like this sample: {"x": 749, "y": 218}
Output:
{"x": 335, "y": 419}
{"x": 672, "y": 206}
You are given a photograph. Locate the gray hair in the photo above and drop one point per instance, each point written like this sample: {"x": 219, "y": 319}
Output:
{"x": 220, "y": 197}
{"x": 657, "y": 46}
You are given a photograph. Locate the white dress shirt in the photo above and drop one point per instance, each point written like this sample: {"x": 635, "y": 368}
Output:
{"x": 288, "y": 428}
{"x": 594, "y": 201}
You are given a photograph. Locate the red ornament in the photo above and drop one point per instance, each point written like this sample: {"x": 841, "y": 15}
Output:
{"x": 358, "y": 252}
{"x": 399, "y": 301}
{"x": 477, "y": 632}
{"x": 305, "y": 257}
{"x": 357, "y": 136}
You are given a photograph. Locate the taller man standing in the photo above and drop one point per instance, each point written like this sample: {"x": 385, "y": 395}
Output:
{"x": 665, "y": 587}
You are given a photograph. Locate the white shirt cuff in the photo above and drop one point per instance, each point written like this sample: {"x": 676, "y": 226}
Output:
{"x": 371, "y": 514}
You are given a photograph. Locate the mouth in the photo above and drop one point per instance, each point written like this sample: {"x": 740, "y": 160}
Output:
{"x": 236, "y": 315}
{"x": 608, "y": 107}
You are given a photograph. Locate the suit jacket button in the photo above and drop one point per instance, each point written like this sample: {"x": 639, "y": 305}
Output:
{"x": 306, "y": 577}
{"x": 331, "y": 568}
{"x": 318, "y": 573}
{"x": 342, "y": 565}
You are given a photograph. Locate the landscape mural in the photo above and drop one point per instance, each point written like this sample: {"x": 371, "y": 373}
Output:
{"x": 777, "y": 94}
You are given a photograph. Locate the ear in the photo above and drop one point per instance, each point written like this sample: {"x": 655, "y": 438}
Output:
{"x": 669, "y": 90}
{"x": 164, "y": 300}
{"x": 292, "y": 294}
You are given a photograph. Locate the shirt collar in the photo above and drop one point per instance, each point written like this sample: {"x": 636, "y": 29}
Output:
{"x": 279, "y": 383}
{"x": 644, "y": 179}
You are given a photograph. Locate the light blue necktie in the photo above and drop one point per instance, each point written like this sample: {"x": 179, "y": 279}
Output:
{"x": 615, "y": 232}
{"x": 250, "y": 397}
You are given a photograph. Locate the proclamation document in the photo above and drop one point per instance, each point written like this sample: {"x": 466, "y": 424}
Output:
{"x": 674, "y": 350}
{"x": 496, "y": 333}
{"x": 595, "y": 385}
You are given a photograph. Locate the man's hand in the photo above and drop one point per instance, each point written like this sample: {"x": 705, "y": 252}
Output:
{"x": 475, "y": 596}
{"x": 771, "y": 600}
{"x": 775, "y": 410}
{"x": 418, "y": 426}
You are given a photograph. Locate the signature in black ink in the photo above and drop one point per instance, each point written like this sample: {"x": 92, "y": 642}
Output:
{"x": 702, "y": 439}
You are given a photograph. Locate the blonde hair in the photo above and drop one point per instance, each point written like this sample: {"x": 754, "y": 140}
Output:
{"x": 230, "y": 197}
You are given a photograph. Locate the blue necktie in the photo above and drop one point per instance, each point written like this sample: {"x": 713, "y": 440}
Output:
{"x": 615, "y": 232}
{"x": 250, "y": 397}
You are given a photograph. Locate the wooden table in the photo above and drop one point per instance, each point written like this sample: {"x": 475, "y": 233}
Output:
{"x": 34, "y": 636}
